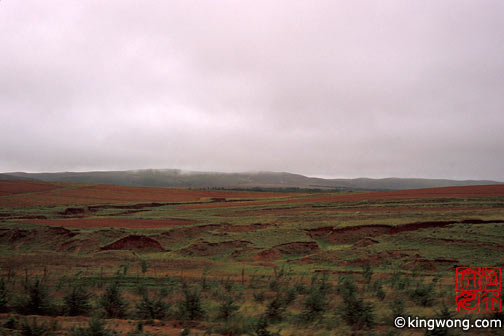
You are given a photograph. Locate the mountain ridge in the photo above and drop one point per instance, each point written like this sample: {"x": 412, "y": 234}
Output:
{"x": 246, "y": 180}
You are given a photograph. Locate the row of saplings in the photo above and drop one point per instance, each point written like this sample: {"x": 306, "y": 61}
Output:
{"x": 276, "y": 294}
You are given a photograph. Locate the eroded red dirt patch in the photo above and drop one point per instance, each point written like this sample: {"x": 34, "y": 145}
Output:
{"x": 47, "y": 237}
{"x": 288, "y": 249}
{"x": 243, "y": 228}
{"x": 203, "y": 248}
{"x": 136, "y": 243}
{"x": 352, "y": 234}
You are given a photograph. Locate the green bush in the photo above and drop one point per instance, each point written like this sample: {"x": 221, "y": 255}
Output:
{"x": 346, "y": 288}
{"x": 275, "y": 309}
{"x": 227, "y": 308}
{"x": 290, "y": 296}
{"x": 358, "y": 313}
{"x": 144, "y": 265}
{"x": 315, "y": 305}
{"x": 355, "y": 311}
{"x": 154, "y": 309}
{"x": 300, "y": 288}
{"x": 399, "y": 282}
{"x": 397, "y": 307}
{"x": 228, "y": 285}
{"x": 11, "y": 323}
{"x": 260, "y": 328}
{"x": 258, "y": 297}
{"x": 77, "y": 301}
{"x": 95, "y": 327}
{"x": 367, "y": 273}
{"x": 35, "y": 329}
{"x": 112, "y": 302}
{"x": 423, "y": 294}
{"x": 190, "y": 308}
{"x": 4, "y": 296}
{"x": 274, "y": 285}
{"x": 36, "y": 300}
{"x": 444, "y": 313}
{"x": 378, "y": 290}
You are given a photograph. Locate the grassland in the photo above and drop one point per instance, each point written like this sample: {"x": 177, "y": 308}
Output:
{"x": 259, "y": 263}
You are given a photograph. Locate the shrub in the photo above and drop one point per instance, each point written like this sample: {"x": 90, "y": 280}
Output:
{"x": 445, "y": 314}
{"x": 324, "y": 283}
{"x": 77, "y": 301}
{"x": 4, "y": 296}
{"x": 274, "y": 285}
{"x": 367, "y": 273}
{"x": 190, "y": 308}
{"x": 228, "y": 285}
{"x": 260, "y": 328}
{"x": 314, "y": 306}
{"x": 378, "y": 290}
{"x": 346, "y": 288}
{"x": 259, "y": 297}
{"x": 397, "y": 307}
{"x": 290, "y": 296}
{"x": 300, "y": 288}
{"x": 227, "y": 308}
{"x": 95, "y": 327}
{"x": 141, "y": 289}
{"x": 398, "y": 282}
{"x": 113, "y": 303}
{"x": 149, "y": 308}
{"x": 358, "y": 313}
{"x": 36, "y": 300}
{"x": 11, "y": 323}
{"x": 423, "y": 294}
{"x": 275, "y": 309}
{"x": 144, "y": 265}
{"x": 35, "y": 329}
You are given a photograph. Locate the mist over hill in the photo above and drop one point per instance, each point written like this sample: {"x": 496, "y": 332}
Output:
{"x": 11, "y": 177}
{"x": 179, "y": 178}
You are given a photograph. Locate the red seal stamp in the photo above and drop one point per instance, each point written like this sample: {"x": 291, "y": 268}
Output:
{"x": 478, "y": 289}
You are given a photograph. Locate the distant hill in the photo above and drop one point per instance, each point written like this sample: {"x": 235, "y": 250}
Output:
{"x": 10, "y": 177}
{"x": 178, "y": 178}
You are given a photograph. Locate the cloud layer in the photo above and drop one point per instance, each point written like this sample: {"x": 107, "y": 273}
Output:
{"x": 329, "y": 88}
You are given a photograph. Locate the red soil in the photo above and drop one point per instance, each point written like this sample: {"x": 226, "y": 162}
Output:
{"x": 20, "y": 187}
{"x": 352, "y": 234}
{"x": 445, "y": 192}
{"x": 294, "y": 248}
{"x": 80, "y": 194}
{"x": 112, "y": 222}
{"x": 204, "y": 248}
{"x": 243, "y": 228}
{"x": 135, "y": 243}
{"x": 308, "y": 209}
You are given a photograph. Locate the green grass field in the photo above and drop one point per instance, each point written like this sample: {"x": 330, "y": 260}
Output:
{"x": 256, "y": 264}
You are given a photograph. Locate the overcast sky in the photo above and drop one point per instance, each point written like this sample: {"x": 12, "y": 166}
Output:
{"x": 323, "y": 88}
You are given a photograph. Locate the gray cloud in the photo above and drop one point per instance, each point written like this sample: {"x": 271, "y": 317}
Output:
{"x": 330, "y": 88}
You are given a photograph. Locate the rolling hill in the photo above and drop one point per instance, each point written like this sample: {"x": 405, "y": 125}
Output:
{"x": 265, "y": 180}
